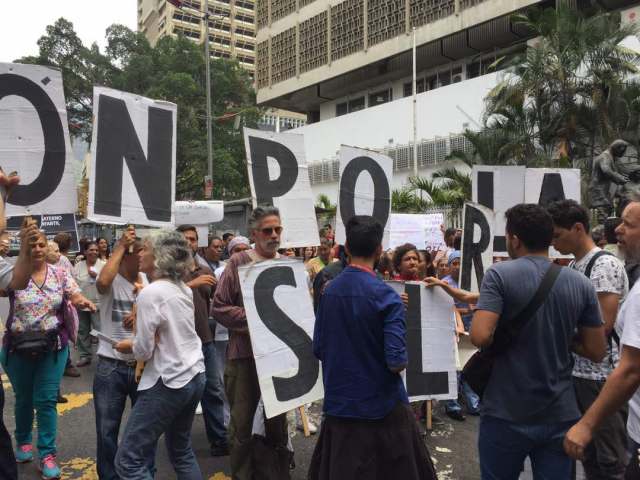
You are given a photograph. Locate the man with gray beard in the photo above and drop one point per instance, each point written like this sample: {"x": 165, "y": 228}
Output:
{"x": 622, "y": 385}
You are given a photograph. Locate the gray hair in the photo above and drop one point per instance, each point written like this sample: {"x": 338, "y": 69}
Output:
{"x": 259, "y": 214}
{"x": 173, "y": 257}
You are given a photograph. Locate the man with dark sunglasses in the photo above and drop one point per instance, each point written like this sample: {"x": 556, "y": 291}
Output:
{"x": 241, "y": 378}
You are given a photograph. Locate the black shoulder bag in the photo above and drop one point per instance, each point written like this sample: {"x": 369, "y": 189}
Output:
{"x": 477, "y": 370}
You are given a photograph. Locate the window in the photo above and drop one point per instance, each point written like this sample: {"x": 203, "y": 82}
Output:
{"x": 186, "y": 18}
{"x": 473, "y": 70}
{"x": 407, "y": 89}
{"x": 444, "y": 78}
{"x": 420, "y": 85}
{"x": 356, "y": 104}
{"x": 244, "y": 18}
{"x": 243, "y": 31}
{"x": 242, "y": 4}
{"x": 342, "y": 109}
{"x": 186, "y": 33}
{"x": 378, "y": 98}
{"x": 456, "y": 74}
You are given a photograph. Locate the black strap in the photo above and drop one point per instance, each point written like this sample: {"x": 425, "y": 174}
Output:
{"x": 592, "y": 262}
{"x": 506, "y": 334}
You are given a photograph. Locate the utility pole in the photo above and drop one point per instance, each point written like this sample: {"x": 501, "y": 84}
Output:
{"x": 415, "y": 109}
{"x": 208, "y": 87}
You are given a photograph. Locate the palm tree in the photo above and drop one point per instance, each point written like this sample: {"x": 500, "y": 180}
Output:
{"x": 324, "y": 208}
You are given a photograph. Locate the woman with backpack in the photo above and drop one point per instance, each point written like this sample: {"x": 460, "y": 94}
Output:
{"x": 35, "y": 351}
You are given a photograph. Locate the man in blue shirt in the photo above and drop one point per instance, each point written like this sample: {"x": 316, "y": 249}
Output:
{"x": 529, "y": 402}
{"x": 369, "y": 430}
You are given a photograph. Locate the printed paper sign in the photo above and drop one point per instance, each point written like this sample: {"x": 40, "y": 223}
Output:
{"x": 281, "y": 319}
{"x": 51, "y": 225}
{"x": 133, "y": 160}
{"x": 365, "y": 189}
{"x": 278, "y": 176}
{"x": 34, "y": 140}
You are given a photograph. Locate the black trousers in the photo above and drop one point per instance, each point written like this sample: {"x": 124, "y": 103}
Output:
{"x": 8, "y": 467}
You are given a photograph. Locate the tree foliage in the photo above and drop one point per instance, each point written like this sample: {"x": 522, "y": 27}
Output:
{"x": 172, "y": 70}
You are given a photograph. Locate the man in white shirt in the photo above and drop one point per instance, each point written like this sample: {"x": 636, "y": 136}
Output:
{"x": 114, "y": 381}
{"x": 622, "y": 385}
{"x": 605, "y": 457}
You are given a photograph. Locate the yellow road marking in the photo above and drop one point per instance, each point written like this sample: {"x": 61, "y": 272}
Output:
{"x": 219, "y": 476}
{"x": 75, "y": 400}
{"x": 79, "y": 469}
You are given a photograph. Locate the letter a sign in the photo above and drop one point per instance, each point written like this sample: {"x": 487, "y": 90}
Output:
{"x": 133, "y": 160}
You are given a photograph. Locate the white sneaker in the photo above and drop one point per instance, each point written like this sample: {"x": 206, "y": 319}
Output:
{"x": 312, "y": 428}
{"x": 199, "y": 409}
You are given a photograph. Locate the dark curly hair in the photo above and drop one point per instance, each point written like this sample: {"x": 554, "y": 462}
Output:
{"x": 400, "y": 252}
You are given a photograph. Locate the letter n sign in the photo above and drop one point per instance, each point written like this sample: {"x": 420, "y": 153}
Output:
{"x": 140, "y": 134}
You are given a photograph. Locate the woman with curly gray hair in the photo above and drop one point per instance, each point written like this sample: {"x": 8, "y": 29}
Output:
{"x": 173, "y": 379}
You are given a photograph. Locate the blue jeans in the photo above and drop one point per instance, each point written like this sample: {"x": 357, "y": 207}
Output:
{"x": 113, "y": 383}
{"x": 472, "y": 400}
{"x": 213, "y": 398}
{"x": 221, "y": 356}
{"x": 504, "y": 446}
{"x": 159, "y": 410}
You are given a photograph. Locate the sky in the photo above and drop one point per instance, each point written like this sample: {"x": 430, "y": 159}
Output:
{"x": 22, "y": 23}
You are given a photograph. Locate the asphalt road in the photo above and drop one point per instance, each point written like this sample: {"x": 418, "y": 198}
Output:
{"x": 452, "y": 444}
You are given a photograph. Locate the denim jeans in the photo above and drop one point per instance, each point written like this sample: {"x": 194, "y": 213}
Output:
{"x": 113, "y": 383}
{"x": 471, "y": 398}
{"x": 504, "y": 446}
{"x": 221, "y": 357}
{"x": 8, "y": 467}
{"x": 86, "y": 321}
{"x": 159, "y": 410}
{"x": 213, "y": 398}
{"x": 36, "y": 384}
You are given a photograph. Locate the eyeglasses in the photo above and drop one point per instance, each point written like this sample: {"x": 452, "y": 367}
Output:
{"x": 269, "y": 230}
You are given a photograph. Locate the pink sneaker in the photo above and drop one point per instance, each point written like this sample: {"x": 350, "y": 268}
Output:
{"x": 24, "y": 453}
{"x": 49, "y": 467}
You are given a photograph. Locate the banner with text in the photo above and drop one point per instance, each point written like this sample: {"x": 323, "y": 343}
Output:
{"x": 278, "y": 176}
{"x": 51, "y": 225}
{"x": 365, "y": 189}
{"x": 281, "y": 319}
{"x": 133, "y": 160}
{"x": 34, "y": 140}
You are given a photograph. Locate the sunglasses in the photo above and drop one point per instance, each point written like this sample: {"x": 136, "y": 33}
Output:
{"x": 270, "y": 230}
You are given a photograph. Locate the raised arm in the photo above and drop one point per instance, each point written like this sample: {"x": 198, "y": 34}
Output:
{"x": 110, "y": 270}
{"x": 22, "y": 268}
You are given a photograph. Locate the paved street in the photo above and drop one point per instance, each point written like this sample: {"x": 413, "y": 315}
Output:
{"x": 452, "y": 446}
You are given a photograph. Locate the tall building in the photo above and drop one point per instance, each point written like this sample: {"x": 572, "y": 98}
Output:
{"x": 348, "y": 64}
{"x": 231, "y": 35}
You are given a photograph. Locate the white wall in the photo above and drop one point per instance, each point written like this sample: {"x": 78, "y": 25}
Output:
{"x": 440, "y": 113}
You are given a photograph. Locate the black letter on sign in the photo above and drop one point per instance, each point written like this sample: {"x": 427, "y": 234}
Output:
{"x": 289, "y": 332}
{"x": 551, "y": 190}
{"x": 418, "y": 382}
{"x": 382, "y": 195}
{"x": 472, "y": 252}
{"x": 118, "y": 141}
{"x": 266, "y": 189}
{"x": 54, "y": 149}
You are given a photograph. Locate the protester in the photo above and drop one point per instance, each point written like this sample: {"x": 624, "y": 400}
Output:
{"x": 114, "y": 380}
{"x": 103, "y": 249}
{"x": 306, "y": 254}
{"x": 329, "y": 233}
{"x": 610, "y": 225}
{"x": 86, "y": 273}
{"x": 34, "y": 354}
{"x": 359, "y": 337}
{"x": 623, "y": 383}
{"x": 406, "y": 260}
{"x": 327, "y": 274}
{"x": 464, "y": 315}
{"x": 173, "y": 379}
{"x": 13, "y": 277}
{"x": 211, "y": 256}
{"x": 449, "y": 238}
{"x": 529, "y": 402}
{"x": 63, "y": 240}
{"x": 241, "y": 381}
{"x": 52, "y": 256}
{"x": 316, "y": 264}
{"x": 606, "y": 455}
{"x": 226, "y": 238}
{"x": 201, "y": 281}
{"x": 238, "y": 244}
{"x": 5, "y": 245}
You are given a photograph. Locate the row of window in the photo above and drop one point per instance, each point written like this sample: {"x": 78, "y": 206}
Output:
{"x": 285, "y": 122}
{"x": 184, "y": 17}
{"x": 355, "y": 104}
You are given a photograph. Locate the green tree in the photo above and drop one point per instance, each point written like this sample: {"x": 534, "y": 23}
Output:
{"x": 172, "y": 70}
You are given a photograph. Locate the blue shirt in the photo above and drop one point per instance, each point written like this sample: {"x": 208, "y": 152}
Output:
{"x": 467, "y": 317}
{"x": 359, "y": 334}
{"x": 531, "y": 382}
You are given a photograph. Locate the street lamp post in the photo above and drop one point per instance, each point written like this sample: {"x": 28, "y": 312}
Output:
{"x": 207, "y": 62}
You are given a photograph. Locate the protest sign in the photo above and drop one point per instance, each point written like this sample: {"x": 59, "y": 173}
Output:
{"x": 431, "y": 348}
{"x": 407, "y": 228}
{"x": 51, "y": 225}
{"x": 133, "y": 160}
{"x": 477, "y": 245}
{"x": 435, "y": 237}
{"x": 199, "y": 214}
{"x": 361, "y": 194}
{"x": 278, "y": 176}
{"x": 34, "y": 140}
{"x": 546, "y": 185}
{"x": 281, "y": 319}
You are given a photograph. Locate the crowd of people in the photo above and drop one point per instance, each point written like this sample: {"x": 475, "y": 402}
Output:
{"x": 563, "y": 383}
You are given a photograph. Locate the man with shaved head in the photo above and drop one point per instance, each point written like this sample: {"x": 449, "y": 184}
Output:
{"x": 623, "y": 383}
